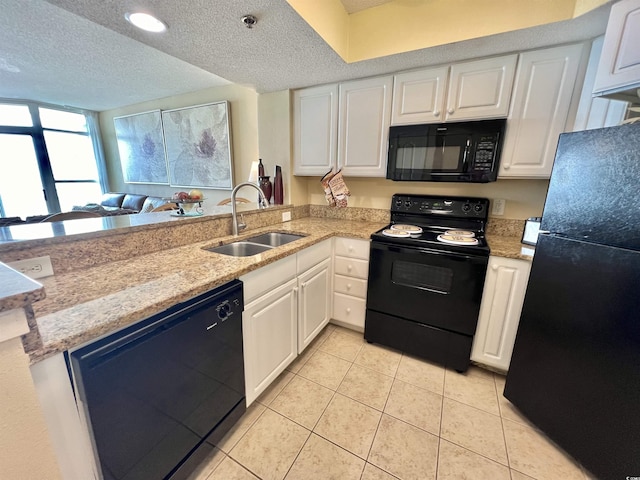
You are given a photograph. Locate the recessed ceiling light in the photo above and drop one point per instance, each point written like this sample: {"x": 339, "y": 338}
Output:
{"x": 146, "y": 22}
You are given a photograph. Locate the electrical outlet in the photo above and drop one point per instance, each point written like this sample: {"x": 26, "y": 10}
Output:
{"x": 498, "y": 206}
{"x": 286, "y": 216}
{"x": 37, "y": 267}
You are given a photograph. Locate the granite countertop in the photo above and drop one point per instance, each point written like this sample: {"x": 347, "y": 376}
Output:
{"x": 509, "y": 247}
{"x": 85, "y": 304}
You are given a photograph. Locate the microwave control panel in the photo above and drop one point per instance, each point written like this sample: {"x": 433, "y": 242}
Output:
{"x": 484, "y": 154}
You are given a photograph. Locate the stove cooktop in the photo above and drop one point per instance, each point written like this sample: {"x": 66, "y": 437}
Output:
{"x": 456, "y": 218}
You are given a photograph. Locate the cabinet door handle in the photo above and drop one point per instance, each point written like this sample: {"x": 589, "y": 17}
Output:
{"x": 436, "y": 113}
{"x": 494, "y": 268}
{"x": 506, "y": 166}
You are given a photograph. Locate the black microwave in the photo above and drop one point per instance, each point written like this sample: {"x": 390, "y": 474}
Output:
{"x": 446, "y": 152}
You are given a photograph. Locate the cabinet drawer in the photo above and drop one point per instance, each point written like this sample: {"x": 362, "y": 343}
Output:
{"x": 351, "y": 247}
{"x": 313, "y": 255}
{"x": 351, "y": 267}
{"x": 349, "y": 309}
{"x": 267, "y": 278}
{"x": 350, "y": 286}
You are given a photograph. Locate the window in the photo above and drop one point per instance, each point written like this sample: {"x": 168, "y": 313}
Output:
{"x": 47, "y": 160}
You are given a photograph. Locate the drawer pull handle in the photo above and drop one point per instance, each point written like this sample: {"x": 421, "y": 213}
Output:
{"x": 350, "y": 248}
{"x": 494, "y": 268}
{"x": 348, "y": 311}
{"x": 349, "y": 267}
{"x": 348, "y": 286}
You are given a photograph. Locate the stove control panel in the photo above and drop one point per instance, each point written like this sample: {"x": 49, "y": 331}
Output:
{"x": 436, "y": 205}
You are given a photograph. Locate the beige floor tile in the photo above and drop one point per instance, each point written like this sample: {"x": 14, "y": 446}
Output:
{"x": 275, "y": 388}
{"x": 366, "y": 386}
{"x": 507, "y": 409}
{"x": 380, "y": 359}
{"x": 240, "y": 428}
{"x": 371, "y": 472}
{"x": 301, "y": 359}
{"x": 473, "y": 429}
{"x": 457, "y": 463}
{"x": 208, "y": 465}
{"x": 415, "y": 405}
{"x": 302, "y": 401}
{"x": 348, "y": 331}
{"x": 530, "y": 452}
{"x": 421, "y": 373}
{"x": 403, "y": 450}
{"x": 230, "y": 470}
{"x": 342, "y": 345}
{"x": 325, "y": 369}
{"x": 476, "y": 371}
{"x": 516, "y": 475}
{"x": 270, "y": 446}
{"x": 349, "y": 424}
{"x": 322, "y": 460}
{"x": 321, "y": 337}
{"x": 477, "y": 391}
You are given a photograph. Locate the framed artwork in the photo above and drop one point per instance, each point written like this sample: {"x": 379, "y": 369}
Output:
{"x": 141, "y": 148}
{"x": 198, "y": 146}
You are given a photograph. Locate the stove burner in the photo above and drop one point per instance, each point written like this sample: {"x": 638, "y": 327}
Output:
{"x": 412, "y": 230}
{"x": 460, "y": 233}
{"x": 457, "y": 239}
{"x": 392, "y": 232}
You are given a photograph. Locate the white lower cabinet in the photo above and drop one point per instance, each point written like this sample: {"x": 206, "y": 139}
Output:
{"x": 504, "y": 290}
{"x": 287, "y": 304}
{"x": 351, "y": 269}
{"x": 270, "y": 327}
{"x": 314, "y": 303}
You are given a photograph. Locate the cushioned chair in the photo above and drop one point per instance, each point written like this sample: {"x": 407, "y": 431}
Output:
{"x": 227, "y": 201}
{"x": 59, "y": 217}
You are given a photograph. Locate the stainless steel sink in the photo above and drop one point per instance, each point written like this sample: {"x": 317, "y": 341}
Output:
{"x": 240, "y": 249}
{"x": 275, "y": 239}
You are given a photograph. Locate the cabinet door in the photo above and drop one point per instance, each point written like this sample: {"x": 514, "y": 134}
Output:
{"x": 270, "y": 327}
{"x": 502, "y": 300}
{"x": 314, "y": 304}
{"x": 418, "y": 97}
{"x": 596, "y": 112}
{"x": 315, "y": 113}
{"x": 480, "y": 89}
{"x": 365, "y": 114}
{"x": 539, "y": 109}
{"x": 619, "y": 66}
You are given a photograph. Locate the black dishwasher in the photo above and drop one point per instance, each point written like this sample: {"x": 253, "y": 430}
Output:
{"x": 159, "y": 394}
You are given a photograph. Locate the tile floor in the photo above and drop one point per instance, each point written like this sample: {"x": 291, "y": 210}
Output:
{"x": 345, "y": 409}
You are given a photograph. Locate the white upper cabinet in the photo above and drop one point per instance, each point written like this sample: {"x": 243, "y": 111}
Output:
{"x": 363, "y": 126}
{"x": 315, "y": 134}
{"x": 539, "y": 110}
{"x": 418, "y": 97}
{"x": 619, "y": 67}
{"x": 596, "y": 112}
{"x": 480, "y": 89}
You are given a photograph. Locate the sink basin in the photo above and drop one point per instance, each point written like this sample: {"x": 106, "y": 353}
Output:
{"x": 275, "y": 239}
{"x": 240, "y": 249}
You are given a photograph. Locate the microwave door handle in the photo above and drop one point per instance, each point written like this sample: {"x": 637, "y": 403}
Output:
{"x": 465, "y": 158}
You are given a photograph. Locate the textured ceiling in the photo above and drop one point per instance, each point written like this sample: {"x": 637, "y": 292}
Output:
{"x": 84, "y": 54}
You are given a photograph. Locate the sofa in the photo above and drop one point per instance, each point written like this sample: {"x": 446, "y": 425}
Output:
{"x": 116, "y": 203}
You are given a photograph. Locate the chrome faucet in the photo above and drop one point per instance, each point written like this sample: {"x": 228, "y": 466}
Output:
{"x": 234, "y": 209}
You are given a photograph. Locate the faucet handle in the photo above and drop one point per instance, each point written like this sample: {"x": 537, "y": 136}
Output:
{"x": 241, "y": 224}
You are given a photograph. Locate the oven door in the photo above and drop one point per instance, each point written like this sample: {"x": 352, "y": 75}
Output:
{"x": 431, "y": 287}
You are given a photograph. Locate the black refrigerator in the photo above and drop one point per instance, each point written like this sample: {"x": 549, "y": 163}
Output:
{"x": 575, "y": 369}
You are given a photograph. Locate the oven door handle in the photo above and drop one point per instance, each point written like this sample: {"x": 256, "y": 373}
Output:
{"x": 417, "y": 250}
